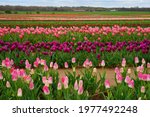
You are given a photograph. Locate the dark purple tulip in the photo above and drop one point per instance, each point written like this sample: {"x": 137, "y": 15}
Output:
{"x": 13, "y": 47}
{"x": 98, "y": 56}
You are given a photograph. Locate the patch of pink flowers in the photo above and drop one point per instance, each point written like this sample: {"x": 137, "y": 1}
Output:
{"x": 8, "y": 63}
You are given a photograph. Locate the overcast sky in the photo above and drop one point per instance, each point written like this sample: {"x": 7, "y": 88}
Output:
{"x": 95, "y": 3}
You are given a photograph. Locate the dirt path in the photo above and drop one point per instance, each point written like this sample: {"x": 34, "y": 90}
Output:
{"x": 109, "y": 73}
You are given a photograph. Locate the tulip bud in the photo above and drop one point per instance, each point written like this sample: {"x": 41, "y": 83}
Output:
{"x": 55, "y": 67}
{"x": 50, "y": 80}
{"x": 31, "y": 85}
{"x": 76, "y": 85}
{"x": 94, "y": 70}
{"x": 19, "y": 94}
{"x": 103, "y": 63}
{"x": 66, "y": 65}
{"x": 123, "y": 62}
{"x": 143, "y": 89}
{"x": 73, "y": 60}
{"x": 8, "y": 84}
{"x": 143, "y": 61}
{"x": 107, "y": 84}
{"x": 136, "y": 60}
{"x": 59, "y": 86}
{"x": 51, "y": 64}
{"x": 80, "y": 90}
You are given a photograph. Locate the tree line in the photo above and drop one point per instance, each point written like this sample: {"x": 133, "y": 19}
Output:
{"x": 39, "y": 9}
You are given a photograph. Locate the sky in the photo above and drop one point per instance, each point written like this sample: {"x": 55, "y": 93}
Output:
{"x": 93, "y": 3}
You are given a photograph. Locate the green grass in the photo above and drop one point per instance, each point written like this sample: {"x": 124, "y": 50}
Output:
{"x": 144, "y": 23}
{"x": 124, "y": 13}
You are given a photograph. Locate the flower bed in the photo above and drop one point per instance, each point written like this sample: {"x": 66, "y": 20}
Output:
{"x": 40, "y": 81}
{"x": 31, "y": 58}
{"x": 63, "y": 52}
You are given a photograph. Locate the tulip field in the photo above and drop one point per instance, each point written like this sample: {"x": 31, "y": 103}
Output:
{"x": 31, "y": 58}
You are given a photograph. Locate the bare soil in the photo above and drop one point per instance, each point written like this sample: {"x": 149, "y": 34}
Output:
{"x": 110, "y": 73}
{"x": 70, "y": 17}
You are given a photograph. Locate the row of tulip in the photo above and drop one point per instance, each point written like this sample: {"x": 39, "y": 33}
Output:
{"x": 44, "y": 82}
{"x": 70, "y": 47}
{"x": 63, "y": 52}
{"x": 115, "y": 33}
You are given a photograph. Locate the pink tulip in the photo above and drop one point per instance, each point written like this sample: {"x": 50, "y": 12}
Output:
{"x": 66, "y": 65}
{"x": 19, "y": 94}
{"x": 65, "y": 81}
{"x": 87, "y": 63}
{"x": 80, "y": 90}
{"x": 143, "y": 61}
{"x": 140, "y": 69}
{"x": 28, "y": 65}
{"x": 127, "y": 79}
{"x": 31, "y": 85}
{"x": 7, "y": 63}
{"x": 14, "y": 75}
{"x": 8, "y": 84}
{"x": 107, "y": 84}
{"x": 45, "y": 68}
{"x": 73, "y": 38}
{"x": 117, "y": 70}
{"x": 55, "y": 67}
{"x": 46, "y": 90}
{"x": 119, "y": 78}
{"x": 42, "y": 62}
{"x": 44, "y": 79}
{"x": 131, "y": 84}
{"x": 98, "y": 38}
{"x": 144, "y": 77}
{"x": 1, "y": 76}
{"x": 85, "y": 38}
{"x": 50, "y": 80}
{"x": 21, "y": 73}
{"x": 142, "y": 89}
{"x": 136, "y": 60}
{"x": 103, "y": 63}
{"x": 36, "y": 64}
{"x": 76, "y": 85}
{"x": 123, "y": 62}
{"x": 73, "y": 60}
{"x": 38, "y": 60}
{"x": 59, "y": 86}
{"x": 20, "y": 36}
